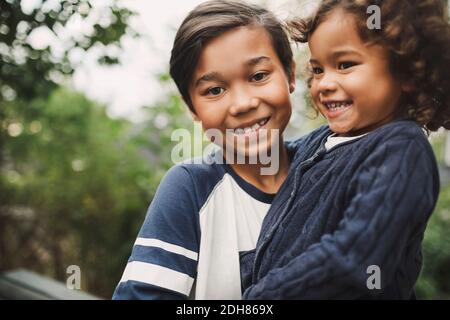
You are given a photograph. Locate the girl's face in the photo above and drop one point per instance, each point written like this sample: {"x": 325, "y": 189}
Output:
{"x": 352, "y": 85}
{"x": 240, "y": 87}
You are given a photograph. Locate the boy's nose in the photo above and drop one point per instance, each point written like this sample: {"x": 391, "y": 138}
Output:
{"x": 243, "y": 102}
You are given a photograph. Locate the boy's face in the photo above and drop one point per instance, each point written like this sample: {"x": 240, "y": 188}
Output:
{"x": 239, "y": 86}
{"x": 352, "y": 84}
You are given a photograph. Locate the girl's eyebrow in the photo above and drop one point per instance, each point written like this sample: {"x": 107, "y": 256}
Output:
{"x": 339, "y": 53}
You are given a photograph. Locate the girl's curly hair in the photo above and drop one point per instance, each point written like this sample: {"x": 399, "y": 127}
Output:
{"x": 416, "y": 34}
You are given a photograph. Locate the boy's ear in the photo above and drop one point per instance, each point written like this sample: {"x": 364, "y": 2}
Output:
{"x": 291, "y": 87}
{"x": 292, "y": 77}
{"x": 193, "y": 115}
{"x": 191, "y": 112}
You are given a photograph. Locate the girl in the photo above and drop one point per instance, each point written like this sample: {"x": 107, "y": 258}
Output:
{"x": 350, "y": 218}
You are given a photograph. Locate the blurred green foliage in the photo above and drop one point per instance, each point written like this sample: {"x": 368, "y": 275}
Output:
{"x": 72, "y": 182}
{"x": 75, "y": 184}
{"x": 73, "y": 190}
{"x": 434, "y": 281}
{"x": 27, "y": 71}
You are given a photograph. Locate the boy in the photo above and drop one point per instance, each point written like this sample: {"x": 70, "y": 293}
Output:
{"x": 233, "y": 66}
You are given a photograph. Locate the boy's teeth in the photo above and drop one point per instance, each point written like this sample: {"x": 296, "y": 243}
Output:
{"x": 254, "y": 127}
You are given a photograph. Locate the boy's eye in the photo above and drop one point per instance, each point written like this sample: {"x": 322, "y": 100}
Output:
{"x": 259, "y": 76}
{"x": 346, "y": 65}
{"x": 316, "y": 70}
{"x": 214, "y": 91}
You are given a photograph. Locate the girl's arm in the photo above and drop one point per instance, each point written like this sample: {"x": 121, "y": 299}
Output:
{"x": 393, "y": 195}
{"x": 163, "y": 262}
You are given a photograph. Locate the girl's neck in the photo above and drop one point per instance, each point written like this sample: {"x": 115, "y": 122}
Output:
{"x": 355, "y": 133}
{"x": 252, "y": 173}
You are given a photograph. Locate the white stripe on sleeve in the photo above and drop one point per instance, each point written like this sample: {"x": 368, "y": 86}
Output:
{"x": 159, "y": 276}
{"x": 148, "y": 242}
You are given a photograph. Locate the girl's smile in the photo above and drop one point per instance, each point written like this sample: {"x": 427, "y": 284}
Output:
{"x": 335, "y": 108}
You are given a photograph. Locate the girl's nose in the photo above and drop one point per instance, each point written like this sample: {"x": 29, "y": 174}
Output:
{"x": 327, "y": 84}
{"x": 243, "y": 102}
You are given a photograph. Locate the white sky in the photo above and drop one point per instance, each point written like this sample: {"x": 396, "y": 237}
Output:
{"x": 127, "y": 87}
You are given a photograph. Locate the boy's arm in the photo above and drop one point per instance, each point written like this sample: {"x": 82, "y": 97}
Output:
{"x": 163, "y": 263}
{"x": 394, "y": 194}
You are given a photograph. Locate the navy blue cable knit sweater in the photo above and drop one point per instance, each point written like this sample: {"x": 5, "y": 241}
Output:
{"x": 365, "y": 202}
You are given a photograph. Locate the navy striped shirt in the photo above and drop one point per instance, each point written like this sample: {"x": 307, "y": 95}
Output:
{"x": 201, "y": 218}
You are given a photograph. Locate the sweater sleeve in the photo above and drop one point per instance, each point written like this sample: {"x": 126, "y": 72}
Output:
{"x": 246, "y": 260}
{"x": 163, "y": 263}
{"x": 389, "y": 199}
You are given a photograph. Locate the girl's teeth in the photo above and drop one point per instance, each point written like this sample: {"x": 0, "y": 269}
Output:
{"x": 336, "y": 106}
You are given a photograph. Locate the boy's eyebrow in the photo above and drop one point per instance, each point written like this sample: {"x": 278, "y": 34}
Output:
{"x": 255, "y": 61}
{"x": 216, "y": 76}
{"x": 207, "y": 77}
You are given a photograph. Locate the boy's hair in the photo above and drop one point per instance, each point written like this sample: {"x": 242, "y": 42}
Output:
{"x": 208, "y": 21}
{"x": 416, "y": 34}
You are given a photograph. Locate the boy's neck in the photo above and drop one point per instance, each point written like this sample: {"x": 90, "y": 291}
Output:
{"x": 266, "y": 183}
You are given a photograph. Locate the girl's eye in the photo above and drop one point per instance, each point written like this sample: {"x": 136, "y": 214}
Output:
{"x": 259, "y": 76}
{"x": 346, "y": 65}
{"x": 214, "y": 91}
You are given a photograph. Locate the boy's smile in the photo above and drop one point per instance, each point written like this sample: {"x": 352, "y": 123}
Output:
{"x": 239, "y": 86}
{"x": 352, "y": 84}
